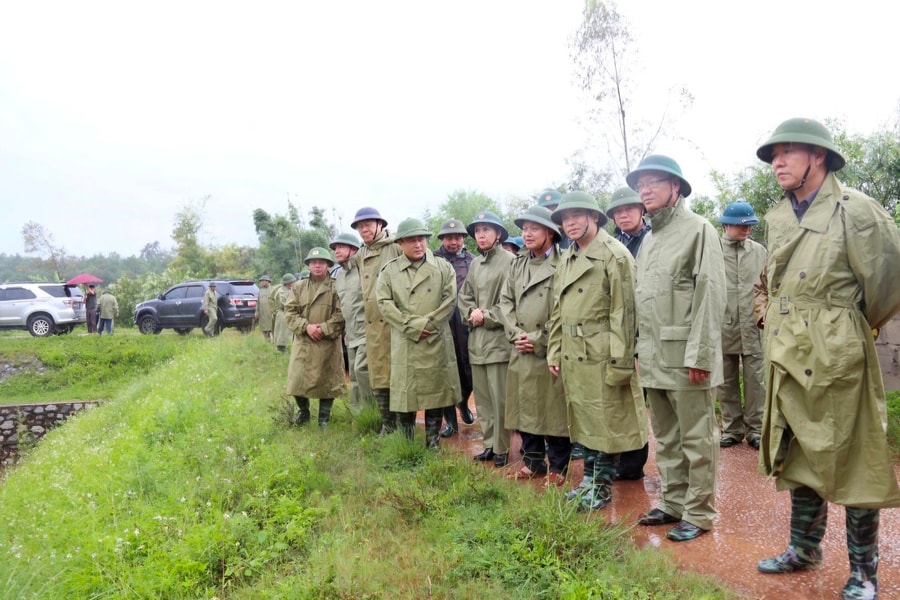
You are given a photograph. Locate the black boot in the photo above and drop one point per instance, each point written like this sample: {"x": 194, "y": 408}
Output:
{"x": 432, "y": 425}
{"x": 388, "y": 418}
{"x": 407, "y": 422}
{"x": 464, "y": 413}
{"x": 325, "y": 405}
{"x": 302, "y": 417}
{"x": 450, "y": 418}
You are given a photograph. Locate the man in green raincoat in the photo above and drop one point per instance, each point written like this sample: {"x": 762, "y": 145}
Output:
{"x": 416, "y": 294}
{"x": 281, "y": 333}
{"x": 833, "y": 274}
{"x": 680, "y": 306}
{"x": 263, "y": 314}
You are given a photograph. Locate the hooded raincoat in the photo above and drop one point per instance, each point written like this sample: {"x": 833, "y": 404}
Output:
{"x": 370, "y": 259}
{"x": 592, "y": 341}
{"x": 416, "y": 297}
{"x": 832, "y": 278}
{"x": 316, "y": 369}
{"x": 535, "y": 401}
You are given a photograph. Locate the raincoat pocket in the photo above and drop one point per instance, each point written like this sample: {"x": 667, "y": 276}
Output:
{"x": 672, "y": 345}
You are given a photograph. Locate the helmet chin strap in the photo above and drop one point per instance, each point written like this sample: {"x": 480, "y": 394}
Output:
{"x": 802, "y": 179}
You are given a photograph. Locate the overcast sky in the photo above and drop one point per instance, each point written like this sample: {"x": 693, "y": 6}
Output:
{"x": 114, "y": 115}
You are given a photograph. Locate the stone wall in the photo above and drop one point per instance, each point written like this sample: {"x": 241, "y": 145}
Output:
{"x": 888, "y": 346}
{"x": 27, "y": 423}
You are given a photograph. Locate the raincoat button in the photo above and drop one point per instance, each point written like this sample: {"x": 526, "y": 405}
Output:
{"x": 802, "y": 275}
{"x": 775, "y": 332}
{"x": 807, "y": 372}
{"x": 580, "y": 290}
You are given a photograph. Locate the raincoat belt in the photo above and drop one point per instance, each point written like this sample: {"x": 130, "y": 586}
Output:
{"x": 580, "y": 330}
{"x": 784, "y": 303}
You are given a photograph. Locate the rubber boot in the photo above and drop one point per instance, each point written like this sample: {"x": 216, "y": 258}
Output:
{"x": 862, "y": 549}
{"x": 600, "y": 466}
{"x": 809, "y": 516}
{"x": 433, "y": 425}
{"x": 302, "y": 417}
{"x": 388, "y": 418}
{"x": 452, "y": 427}
{"x": 325, "y": 405}
{"x": 407, "y": 422}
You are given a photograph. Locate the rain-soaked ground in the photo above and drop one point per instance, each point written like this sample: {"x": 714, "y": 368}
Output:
{"x": 752, "y": 524}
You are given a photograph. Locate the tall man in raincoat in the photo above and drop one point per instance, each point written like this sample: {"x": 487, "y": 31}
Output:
{"x": 833, "y": 274}
{"x": 263, "y": 313}
{"x": 416, "y": 294}
{"x": 281, "y": 333}
{"x": 313, "y": 314}
{"x": 378, "y": 249}
{"x": 535, "y": 401}
{"x": 592, "y": 346}
{"x": 680, "y": 307}
{"x": 479, "y": 306}
{"x": 741, "y": 338}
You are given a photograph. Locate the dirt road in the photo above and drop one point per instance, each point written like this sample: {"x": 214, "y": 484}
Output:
{"x": 752, "y": 524}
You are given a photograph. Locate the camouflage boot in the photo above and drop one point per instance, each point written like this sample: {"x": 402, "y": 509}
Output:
{"x": 388, "y": 418}
{"x": 302, "y": 417}
{"x": 325, "y": 405}
{"x": 602, "y": 469}
{"x": 809, "y": 515}
{"x": 862, "y": 549}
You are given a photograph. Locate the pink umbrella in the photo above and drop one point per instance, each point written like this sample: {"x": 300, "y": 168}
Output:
{"x": 84, "y": 278}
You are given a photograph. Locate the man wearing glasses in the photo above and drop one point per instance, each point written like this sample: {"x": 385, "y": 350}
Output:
{"x": 680, "y": 296}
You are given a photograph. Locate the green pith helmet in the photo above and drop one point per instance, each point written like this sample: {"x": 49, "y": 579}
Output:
{"x": 738, "y": 213}
{"x": 549, "y": 197}
{"x": 541, "y": 216}
{"x": 288, "y": 278}
{"x": 450, "y": 227}
{"x": 319, "y": 253}
{"x": 658, "y": 162}
{"x": 624, "y": 196}
{"x": 803, "y": 131}
{"x": 348, "y": 239}
{"x": 304, "y": 274}
{"x": 516, "y": 242}
{"x": 578, "y": 200}
{"x": 266, "y": 278}
{"x": 411, "y": 227}
{"x": 488, "y": 218}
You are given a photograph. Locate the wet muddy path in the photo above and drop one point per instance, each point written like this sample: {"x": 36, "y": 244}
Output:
{"x": 752, "y": 524}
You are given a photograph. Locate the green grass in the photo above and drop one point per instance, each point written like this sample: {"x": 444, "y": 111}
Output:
{"x": 188, "y": 483}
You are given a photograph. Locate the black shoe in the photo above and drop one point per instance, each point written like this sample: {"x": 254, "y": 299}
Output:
{"x": 728, "y": 442}
{"x": 486, "y": 455}
{"x": 500, "y": 460}
{"x": 626, "y": 476}
{"x": 754, "y": 443}
{"x": 684, "y": 532}
{"x": 465, "y": 414}
{"x": 657, "y": 517}
{"x": 448, "y": 431}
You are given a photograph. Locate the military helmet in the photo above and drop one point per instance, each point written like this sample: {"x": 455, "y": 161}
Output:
{"x": 367, "y": 213}
{"x": 288, "y": 278}
{"x": 488, "y": 218}
{"x": 411, "y": 227}
{"x": 348, "y": 239}
{"x": 803, "y": 131}
{"x": 658, "y": 162}
{"x": 319, "y": 253}
{"x": 212, "y": 284}
{"x": 549, "y": 197}
{"x": 738, "y": 213}
{"x": 542, "y": 216}
{"x": 304, "y": 274}
{"x": 515, "y": 241}
{"x": 578, "y": 200}
{"x": 452, "y": 226}
{"x": 624, "y": 196}
{"x": 265, "y": 278}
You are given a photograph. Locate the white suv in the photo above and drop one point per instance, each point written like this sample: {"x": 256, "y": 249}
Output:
{"x": 42, "y": 309}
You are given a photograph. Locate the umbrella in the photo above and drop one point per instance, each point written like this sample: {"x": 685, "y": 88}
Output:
{"x": 84, "y": 278}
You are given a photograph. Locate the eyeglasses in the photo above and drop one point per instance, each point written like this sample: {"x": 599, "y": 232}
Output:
{"x": 650, "y": 183}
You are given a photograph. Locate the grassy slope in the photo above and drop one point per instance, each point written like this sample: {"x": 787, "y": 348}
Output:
{"x": 186, "y": 484}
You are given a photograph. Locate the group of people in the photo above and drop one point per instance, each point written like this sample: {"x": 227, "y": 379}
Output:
{"x": 100, "y": 312}
{"x": 568, "y": 340}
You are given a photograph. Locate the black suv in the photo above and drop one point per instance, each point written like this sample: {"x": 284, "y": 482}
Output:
{"x": 181, "y": 307}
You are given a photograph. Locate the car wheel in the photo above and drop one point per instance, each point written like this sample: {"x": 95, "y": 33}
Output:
{"x": 184, "y": 331}
{"x": 147, "y": 325}
{"x": 40, "y": 325}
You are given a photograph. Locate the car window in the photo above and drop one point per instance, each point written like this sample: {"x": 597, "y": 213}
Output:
{"x": 17, "y": 293}
{"x": 57, "y": 291}
{"x": 244, "y": 288}
{"x": 195, "y": 291}
{"x": 175, "y": 293}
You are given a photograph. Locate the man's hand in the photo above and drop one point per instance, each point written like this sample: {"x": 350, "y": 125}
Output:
{"x": 476, "y": 317}
{"x": 425, "y": 333}
{"x": 523, "y": 346}
{"x": 315, "y": 332}
{"x": 697, "y": 375}
{"x": 554, "y": 369}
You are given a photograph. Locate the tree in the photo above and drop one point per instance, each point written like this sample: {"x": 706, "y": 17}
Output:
{"x": 464, "y": 206}
{"x": 284, "y": 240}
{"x": 40, "y": 241}
{"x": 601, "y": 50}
{"x": 188, "y": 252}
